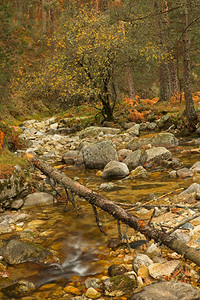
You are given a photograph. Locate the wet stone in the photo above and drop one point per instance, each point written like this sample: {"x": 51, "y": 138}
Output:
{"x": 92, "y": 293}
{"x": 4, "y": 228}
{"x": 117, "y": 286}
{"x": 168, "y": 291}
{"x": 21, "y": 288}
{"x": 39, "y": 198}
{"x": 16, "y": 252}
{"x": 184, "y": 173}
{"x": 139, "y": 172}
{"x": 187, "y": 226}
{"x": 153, "y": 250}
{"x": 17, "y": 204}
{"x": 114, "y": 270}
{"x": 92, "y": 282}
{"x": 158, "y": 270}
{"x": 141, "y": 259}
{"x": 114, "y": 170}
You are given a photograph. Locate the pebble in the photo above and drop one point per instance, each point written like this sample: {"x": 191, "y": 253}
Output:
{"x": 92, "y": 293}
{"x": 72, "y": 290}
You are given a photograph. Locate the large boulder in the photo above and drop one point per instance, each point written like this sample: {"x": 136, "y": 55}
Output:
{"x": 96, "y": 156}
{"x": 39, "y": 199}
{"x": 114, "y": 170}
{"x": 17, "y": 252}
{"x": 95, "y": 130}
{"x": 158, "y": 154}
{"x": 167, "y": 290}
{"x": 135, "y": 159}
{"x": 11, "y": 186}
{"x": 165, "y": 139}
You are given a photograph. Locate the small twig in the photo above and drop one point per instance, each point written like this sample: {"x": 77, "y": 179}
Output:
{"x": 52, "y": 183}
{"x": 73, "y": 201}
{"x": 183, "y": 222}
{"x": 97, "y": 219}
{"x": 67, "y": 199}
{"x": 126, "y": 238}
{"x": 135, "y": 206}
{"x": 170, "y": 193}
{"x": 152, "y": 215}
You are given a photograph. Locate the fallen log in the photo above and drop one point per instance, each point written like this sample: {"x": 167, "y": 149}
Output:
{"x": 119, "y": 213}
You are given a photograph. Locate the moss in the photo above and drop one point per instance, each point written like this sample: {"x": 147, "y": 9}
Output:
{"x": 123, "y": 282}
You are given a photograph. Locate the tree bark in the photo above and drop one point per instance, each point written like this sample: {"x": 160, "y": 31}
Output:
{"x": 129, "y": 77}
{"x": 44, "y": 17}
{"x": 52, "y": 30}
{"x": 171, "y": 61}
{"x": 119, "y": 213}
{"x": 189, "y": 104}
{"x": 164, "y": 76}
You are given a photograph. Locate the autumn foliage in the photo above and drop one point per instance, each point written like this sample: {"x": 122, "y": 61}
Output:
{"x": 133, "y": 114}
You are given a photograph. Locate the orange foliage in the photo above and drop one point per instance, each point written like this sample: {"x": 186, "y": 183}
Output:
{"x": 137, "y": 116}
{"x": 131, "y": 101}
{"x": 2, "y": 135}
{"x": 138, "y": 100}
{"x": 150, "y": 101}
{"x": 177, "y": 98}
{"x": 180, "y": 97}
{"x": 116, "y": 3}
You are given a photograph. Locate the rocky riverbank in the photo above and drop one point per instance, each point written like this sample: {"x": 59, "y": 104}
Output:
{"x": 132, "y": 152}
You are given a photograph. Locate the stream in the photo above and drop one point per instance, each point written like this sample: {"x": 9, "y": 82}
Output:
{"x": 83, "y": 250}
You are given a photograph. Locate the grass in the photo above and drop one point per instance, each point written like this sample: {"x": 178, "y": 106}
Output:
{"x": 8, "y": 161}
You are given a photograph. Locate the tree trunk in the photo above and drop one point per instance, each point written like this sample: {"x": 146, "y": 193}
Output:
{"x": 52, "y": 30}
{"x": 129, "y": 77}
{"x": 171, "y": 61}
{"x": 189, "y": 104}
{"x": 173, "y": 77}
{"x": 119, "y": 213}
{"x": 165, "y": 91}
{"x": 44, "y": 18}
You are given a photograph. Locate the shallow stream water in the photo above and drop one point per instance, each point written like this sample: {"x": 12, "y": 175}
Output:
{"x": 75, "y": 236}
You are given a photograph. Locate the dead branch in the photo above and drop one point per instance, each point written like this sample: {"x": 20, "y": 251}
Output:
{"x": 119, "y": 213}
{"x": 183, "y": 222}
{"x": 97, "y": 219}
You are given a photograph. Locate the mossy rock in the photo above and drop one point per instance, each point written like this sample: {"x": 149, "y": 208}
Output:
{"x": 19, "y": 289}
{"x": 17, "y": 251}
{"x": 119, "y": 285}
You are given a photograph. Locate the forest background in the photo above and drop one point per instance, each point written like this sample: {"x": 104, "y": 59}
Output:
{"x": 57, "y": 54}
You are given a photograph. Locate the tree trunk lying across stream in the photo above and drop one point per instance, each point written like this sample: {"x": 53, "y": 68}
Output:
{"x": 119, "y": 213}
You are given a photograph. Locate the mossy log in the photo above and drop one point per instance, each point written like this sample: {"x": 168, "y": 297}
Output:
{"x": 119, "y": 213}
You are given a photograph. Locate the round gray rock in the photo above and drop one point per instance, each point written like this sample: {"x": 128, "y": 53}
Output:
{"x": 115, "y": 169}
{"x": 39, "y": 198}
{"x": 96, "y": 156}
{"x": 135, "y": 159}
{"x": 141, "y": 259}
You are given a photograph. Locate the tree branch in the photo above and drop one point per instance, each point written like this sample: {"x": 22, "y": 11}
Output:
{"x": 120, "y": 214}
